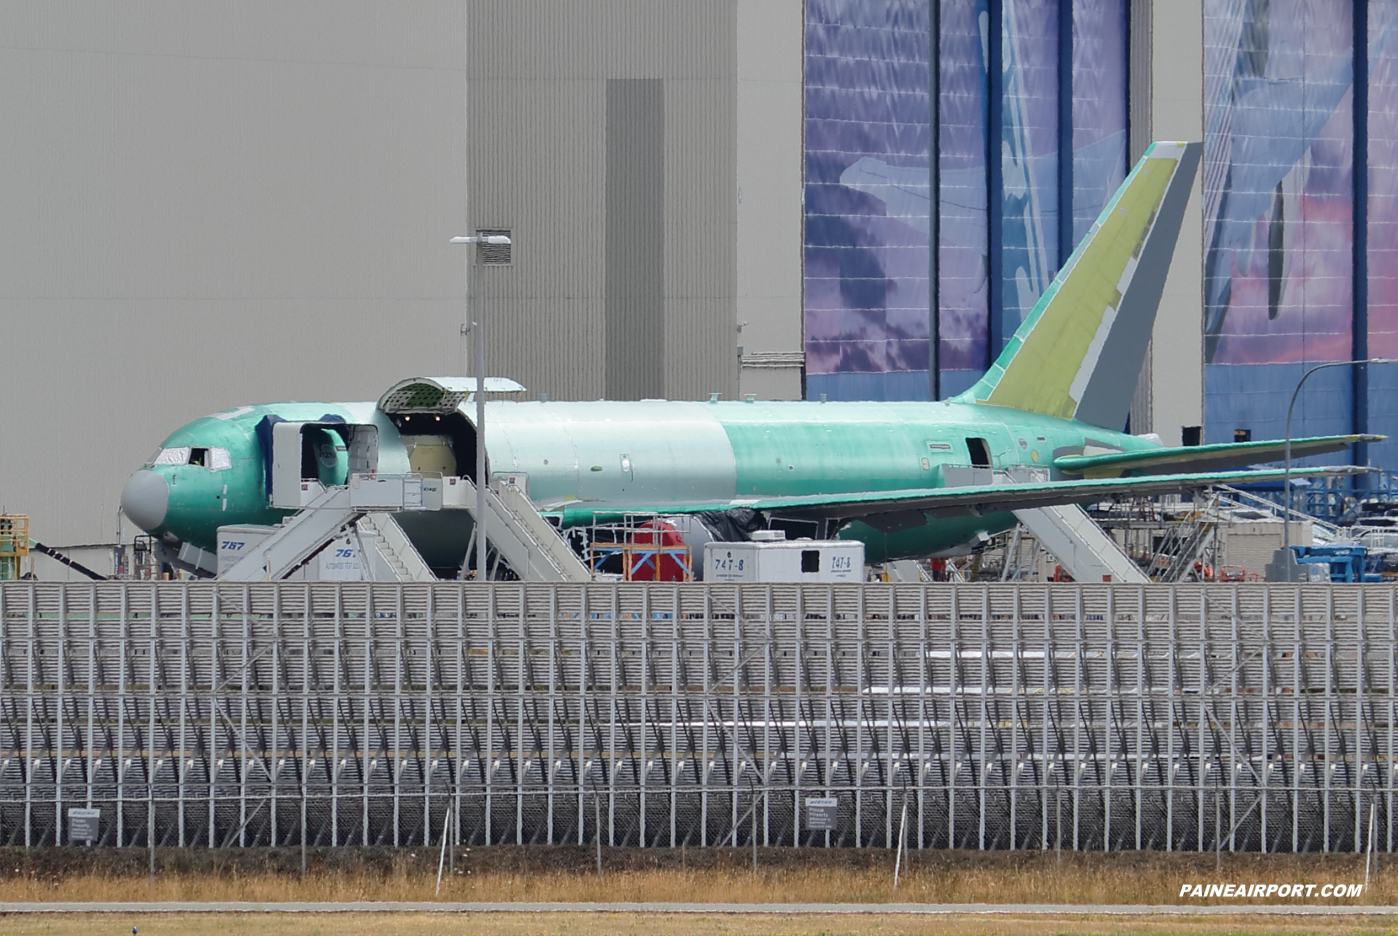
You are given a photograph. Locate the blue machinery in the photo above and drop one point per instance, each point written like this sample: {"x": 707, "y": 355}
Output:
{"x": 1102, "y": 716}
{"x": 1340, "y": 564}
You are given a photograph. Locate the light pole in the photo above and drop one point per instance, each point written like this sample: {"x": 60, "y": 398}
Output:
{"x": 1286, "y": 520}
{"x": 499, "y": 240}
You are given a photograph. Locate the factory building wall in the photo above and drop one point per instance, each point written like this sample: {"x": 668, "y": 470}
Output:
{"x": 1067, "y": 94}
{"x": 1042, "y": 87}
{"x": 608, "y": 138}
{"x": 207, "y": 206}
{"x": 214, "y": 204}
{"x": 1301, "y": 218}
{"x": 210, "y": 206}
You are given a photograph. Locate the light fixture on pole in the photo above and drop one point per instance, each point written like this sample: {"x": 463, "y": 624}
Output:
{"x": 494, "y": 240}
{"x": 1283, "y": 567}
{"x": 1286, "y": 521}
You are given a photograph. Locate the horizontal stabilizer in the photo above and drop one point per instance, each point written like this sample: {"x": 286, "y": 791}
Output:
{"x": 1197, "y": 458}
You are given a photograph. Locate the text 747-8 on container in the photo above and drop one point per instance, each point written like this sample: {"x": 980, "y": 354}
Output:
{"x": 785, "y": 561}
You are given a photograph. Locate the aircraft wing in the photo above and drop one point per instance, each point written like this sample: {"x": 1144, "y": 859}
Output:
{"x": 1201, "y": 458}
{"x": 894, "y": 510}
{"x": 884, "y": 507}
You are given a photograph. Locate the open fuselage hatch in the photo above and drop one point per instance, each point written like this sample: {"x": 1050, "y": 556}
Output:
{"x": 323, "y": 451}
{"x": 426, "y": 412}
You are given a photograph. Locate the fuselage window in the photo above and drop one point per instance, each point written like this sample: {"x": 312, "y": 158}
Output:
{"x": 173, "y": 456}
{"x": 219, "y": 460}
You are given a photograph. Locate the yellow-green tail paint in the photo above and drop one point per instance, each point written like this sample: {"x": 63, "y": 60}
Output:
{"x": 1079, "y": 352}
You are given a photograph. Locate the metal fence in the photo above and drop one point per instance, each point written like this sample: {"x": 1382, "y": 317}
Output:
{"x": 970, "y": 716}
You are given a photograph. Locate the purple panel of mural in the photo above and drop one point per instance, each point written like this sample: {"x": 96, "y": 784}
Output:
{"x": 1099, "y": 107}
{"x": 1028, "y": 156}
{"x": 962, "y": 249}
{"x": 868, "y": 186}
{"x": 1278, "y": 222}
{"x": 1383, "y": 180}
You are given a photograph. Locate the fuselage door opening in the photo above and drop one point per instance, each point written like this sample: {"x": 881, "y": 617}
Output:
{"x": 326, "y": 453}
{"x": 979, "y": 450}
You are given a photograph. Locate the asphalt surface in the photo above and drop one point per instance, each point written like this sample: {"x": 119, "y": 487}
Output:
{"x": 712, "y": 908}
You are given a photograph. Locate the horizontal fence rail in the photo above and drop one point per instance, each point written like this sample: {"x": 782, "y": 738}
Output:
{"x": 1245, "y": 717}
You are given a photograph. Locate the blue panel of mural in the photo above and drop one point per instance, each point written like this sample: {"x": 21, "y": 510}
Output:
{"x": 869, "y": 179}
{"x": 1382, "y": 229}
{"x": 963, "y": 252}
{"x": 868, "y": 198}
{"x": 1099, "y": 108}
{"x": 1028, "y": 156}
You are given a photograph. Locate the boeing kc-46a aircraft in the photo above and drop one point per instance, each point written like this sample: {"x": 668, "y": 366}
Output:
{"x": 898, "y": 476}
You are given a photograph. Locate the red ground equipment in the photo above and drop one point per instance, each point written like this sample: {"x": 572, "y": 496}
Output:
{"x": 657, "y": 553}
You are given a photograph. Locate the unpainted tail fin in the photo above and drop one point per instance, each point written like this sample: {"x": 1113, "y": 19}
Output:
{"x": 1078, "y": 354}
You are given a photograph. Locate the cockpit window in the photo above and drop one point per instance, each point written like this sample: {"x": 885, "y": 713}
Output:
{"x": 214, "y": 459}
{"x": 173, "y": 456}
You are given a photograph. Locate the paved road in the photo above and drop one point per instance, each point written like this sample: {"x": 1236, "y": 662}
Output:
{"x": 807, "y": 908}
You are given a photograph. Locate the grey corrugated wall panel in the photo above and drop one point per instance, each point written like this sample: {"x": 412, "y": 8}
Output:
{"x": 1139, "y": 130}
{"x": 770, "y": 160}
{"x": 635, "y": 238}
{"x": 537, "y": 164}
{"x": 701, "y": 209}
{"x": 213, "y": 205}
{"x": 207, "y": 205}
{"x": 1177, "y": 113}
{"x": 538, "y": 73}
{"x": 701, "y": 231}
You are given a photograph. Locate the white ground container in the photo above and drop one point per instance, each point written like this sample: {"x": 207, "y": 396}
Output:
{"x": 339, "y": 561}
{"x": 235, "y": 542}
{"x": 800, "y": 560}
{"x": 342, "y": 560}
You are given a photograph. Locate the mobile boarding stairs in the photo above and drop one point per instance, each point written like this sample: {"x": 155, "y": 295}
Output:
{"x": 1083, "y": 549}
{"x": 349, "y": 533}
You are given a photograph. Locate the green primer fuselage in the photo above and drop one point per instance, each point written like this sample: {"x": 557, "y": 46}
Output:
{"x": 601, "y": 458}
{"x": 1076, "y": 356}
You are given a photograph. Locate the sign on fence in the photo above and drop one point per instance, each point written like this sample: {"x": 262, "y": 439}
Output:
{"x": 820, "y": 813}
{"x": 84, "y": 825}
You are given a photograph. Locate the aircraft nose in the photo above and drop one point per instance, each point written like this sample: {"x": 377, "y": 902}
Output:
{"x": 145, "y": 499}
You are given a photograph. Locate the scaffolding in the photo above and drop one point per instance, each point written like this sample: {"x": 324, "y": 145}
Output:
{"x": 15, "y": 563}
{"x": 137, "y": 561}
{"x": 640, "y": 542}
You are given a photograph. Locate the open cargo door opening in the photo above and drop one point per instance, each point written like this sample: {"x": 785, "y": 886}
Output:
{"x": 439, "y": 437}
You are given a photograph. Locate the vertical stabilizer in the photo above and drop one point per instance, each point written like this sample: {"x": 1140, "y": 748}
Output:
{"x": 1079, "y": 352}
